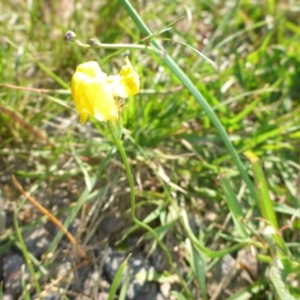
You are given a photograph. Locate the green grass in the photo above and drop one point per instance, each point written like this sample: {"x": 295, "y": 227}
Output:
{"x": 209, "y": 178}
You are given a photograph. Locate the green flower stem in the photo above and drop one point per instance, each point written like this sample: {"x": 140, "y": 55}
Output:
{"x": 173, "y": 66}
{"x": 95, "y": 43}
{"x": 141, "y": 224}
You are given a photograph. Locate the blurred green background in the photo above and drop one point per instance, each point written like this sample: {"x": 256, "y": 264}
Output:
{"x": 188, "y": 187}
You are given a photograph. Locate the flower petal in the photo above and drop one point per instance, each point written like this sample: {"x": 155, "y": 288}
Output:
{"x": 91, "y": 69}
{"x": 77, "y": 88}
{"x": 83, "y": 117}
{"x": 101, "y": 103}
{"x": 126, "y": 83}
{"x": 130, "y": 78}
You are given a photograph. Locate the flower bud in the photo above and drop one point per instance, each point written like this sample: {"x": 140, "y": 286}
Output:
{"x": 70, "y": 36}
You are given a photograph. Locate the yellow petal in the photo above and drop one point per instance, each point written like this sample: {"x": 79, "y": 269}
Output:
{"x": 130, "y": 78}
{"x": 91, "y": 69}
{"x": 83, "y": 117}
{"x": 92, "y": 94}
{"x": 83, "y": 74}
{"x": 126, "y": 83}
{"x": 100, "y": 101}
{"x": 77, "y": 88}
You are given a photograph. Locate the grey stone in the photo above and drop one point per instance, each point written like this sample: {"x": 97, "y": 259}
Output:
{"x": 52, "y": 296}
{"x": 37, "y": 240}
{"x": 137, "y": 290}
{"x": 149, "y": 291}
{"x": 12, "y": 272}
{"x": 158, "y": 260}
{"x": 103, "y": 296}
{"x": 7, "y": 297}
{"x": 110, "y": 224}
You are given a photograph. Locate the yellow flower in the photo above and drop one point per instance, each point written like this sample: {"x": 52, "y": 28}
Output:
{"x": 95, "y": 93}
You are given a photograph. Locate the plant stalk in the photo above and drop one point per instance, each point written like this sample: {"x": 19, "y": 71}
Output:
{"x": 143, "y": 225}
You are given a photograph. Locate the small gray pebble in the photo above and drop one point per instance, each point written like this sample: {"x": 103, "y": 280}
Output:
{"x": 148, "y": 291}
{"x": 137, "y": 290}
{"x": 52, "y": 296}
{"x": 158, "y": 260}
{"x": 48, "y": 296}
{"x": 12, "y": 264}
{"x": 37, "y": 240}
{"x": 110, "y": 224}
{"x": 112, "y": 263}
{"x": 102, "y": 296}
{"x": 7, "y": 297}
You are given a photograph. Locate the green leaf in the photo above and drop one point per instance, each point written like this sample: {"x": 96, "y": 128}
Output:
{"x": 118, "y": 278}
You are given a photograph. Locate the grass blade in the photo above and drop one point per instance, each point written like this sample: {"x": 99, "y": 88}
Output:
{"x": 117, "y": 279}
{"x": 264, "y": 201}
{"x": 25, "y": 251}
{"x": 82, "y": 199}
{"x": 234, "y": 206}
{"x": 194, "y": 91}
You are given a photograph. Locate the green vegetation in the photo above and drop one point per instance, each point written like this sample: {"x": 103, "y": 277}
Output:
{"x": 214, "y": 148}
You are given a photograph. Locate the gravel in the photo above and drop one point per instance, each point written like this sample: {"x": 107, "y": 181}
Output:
{"x": 37, "y": 240}
{"x": 137, "y": 289}
{"x": 13, "y": 268}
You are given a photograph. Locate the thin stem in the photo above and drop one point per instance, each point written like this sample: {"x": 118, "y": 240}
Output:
{"x": 95, "y": 43}
{"x": 141, "y": 224}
